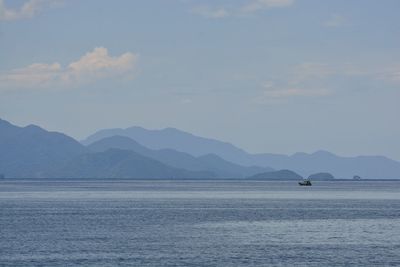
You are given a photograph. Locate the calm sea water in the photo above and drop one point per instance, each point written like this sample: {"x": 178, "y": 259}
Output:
{"x": 199, "y": 223}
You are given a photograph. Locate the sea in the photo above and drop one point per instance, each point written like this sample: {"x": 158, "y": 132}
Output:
{"x": 199, "y": 223}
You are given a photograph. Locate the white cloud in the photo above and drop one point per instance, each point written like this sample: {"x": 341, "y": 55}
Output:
{"x": 35, "y": 74}
{"x": 27, "y": 10}
{"x": 311, "y": 70}
{"x": 390, "y": 74}
{"x": 94, "y": 65}
{"x": 311, "y": 79}
{"x": 214, "y": 13}
{"x": 335, "y": 21}
{"x": 251, "y": 7}
{"x": 265, "y": 4}
{"x": 395, "y": 75}
{"x": 98, "y": 64}
{"x": 291, "y": 92}
{"x": 303, "y": 81}
{"x": 272, "y": 91}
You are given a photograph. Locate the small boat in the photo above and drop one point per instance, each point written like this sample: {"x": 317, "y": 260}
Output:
{"x": 305, "y": 183}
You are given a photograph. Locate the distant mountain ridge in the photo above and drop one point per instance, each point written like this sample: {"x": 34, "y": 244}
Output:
{"x": 123, "y": 164}
{"x": 369, "y": 167}
{"x": 178, "y": 140}
{"x": 32, "y": 151}
{"x": 176, "y": 159}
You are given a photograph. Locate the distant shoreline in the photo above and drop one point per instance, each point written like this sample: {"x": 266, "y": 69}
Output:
{"x": 182, "y": 179}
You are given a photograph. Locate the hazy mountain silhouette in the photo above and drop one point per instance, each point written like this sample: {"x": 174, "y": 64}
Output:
{"x": 209, "y": 162}
{"x": 178, "y": 140}
{"x": 32, "y": 151}
{"x": 124, "y": 164}
{"x": 229, "y": 169}
{"x": 370, "y": 167}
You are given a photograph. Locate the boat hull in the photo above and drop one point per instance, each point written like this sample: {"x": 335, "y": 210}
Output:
{"x": 308, "y": 183}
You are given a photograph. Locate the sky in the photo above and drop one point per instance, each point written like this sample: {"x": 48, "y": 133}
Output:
{"x": 277, "y": 76}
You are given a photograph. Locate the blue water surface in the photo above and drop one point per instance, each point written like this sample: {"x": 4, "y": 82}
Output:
{"x": 198, "y": 223}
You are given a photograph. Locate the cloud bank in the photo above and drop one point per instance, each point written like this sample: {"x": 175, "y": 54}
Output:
{"x": 94, "y": 65}
{"x": 208, "y": 12}
{"x": 28, "y": 10}
{"x": 311, "y": 79}
{"x": 249, "y": 8}
{"x": 265, "y": 4}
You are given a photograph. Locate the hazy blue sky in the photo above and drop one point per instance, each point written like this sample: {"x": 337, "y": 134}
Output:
{"x": 267, "y": 75}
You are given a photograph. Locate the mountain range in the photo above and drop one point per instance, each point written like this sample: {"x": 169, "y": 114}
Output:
{"x": 369, "y": 167}
{"x": 138, "y": 153}
{"x": 210, "y": 162}
{"x": 123, "y": 164}
{"x": 32, "y": 151}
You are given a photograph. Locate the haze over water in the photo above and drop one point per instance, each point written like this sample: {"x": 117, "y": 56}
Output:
{"x": 198, "y": 223}
{"x": 97, "y": 94}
